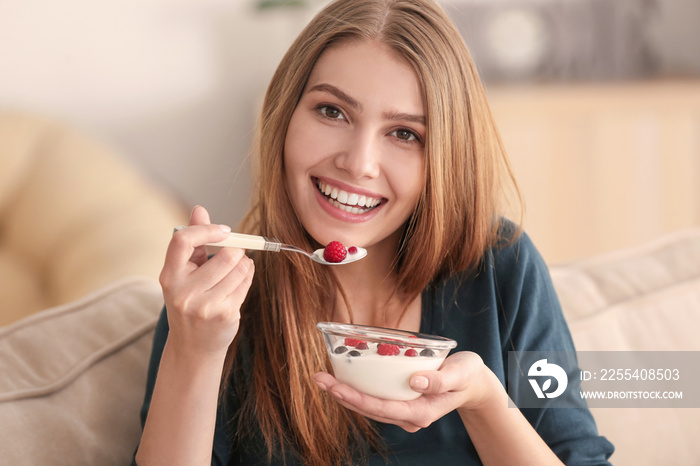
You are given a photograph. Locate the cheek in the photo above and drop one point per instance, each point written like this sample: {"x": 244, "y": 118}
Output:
{"x": 408, "y": 180}
{"x": 300, "y": 149}
{"x": 294, "y": 155}
{"x": 290, "y": 143}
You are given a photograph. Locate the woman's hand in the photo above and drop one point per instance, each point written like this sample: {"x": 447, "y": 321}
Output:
{"x": 203, "y": 297}
{"x": 462, "y": 382}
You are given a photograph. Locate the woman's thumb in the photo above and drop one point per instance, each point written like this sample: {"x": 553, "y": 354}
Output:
{"x": 199, "y": 216}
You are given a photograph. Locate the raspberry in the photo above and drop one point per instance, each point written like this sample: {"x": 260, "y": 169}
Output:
{"x": 411, "y": 353}
{"x": 354, "y": 342}
{"x": 352, "y": 250}
{"x": 387, "y": 349}
{"x": 362, "y": 345}
{"x": 335, "y": 252}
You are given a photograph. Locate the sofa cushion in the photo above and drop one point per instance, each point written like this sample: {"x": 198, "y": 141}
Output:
{"x": 72, "y": 378}
{"x": 75, "y": 215}
{"x": 645, "y": 298}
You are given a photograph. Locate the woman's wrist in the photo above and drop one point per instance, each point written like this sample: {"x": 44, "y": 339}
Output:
{"x": 187, "y": 358}
{"x": 491, "y": 395}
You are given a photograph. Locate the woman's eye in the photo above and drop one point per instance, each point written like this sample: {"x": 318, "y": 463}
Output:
{"x": 405, "y": 135}
{"x": 331, "y": 112}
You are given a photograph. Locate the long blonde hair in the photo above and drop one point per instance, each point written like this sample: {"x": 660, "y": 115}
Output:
{"x": 278, "y": 349}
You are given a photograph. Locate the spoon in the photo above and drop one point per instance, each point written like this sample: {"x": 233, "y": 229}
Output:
{"x": 260, "y": 243}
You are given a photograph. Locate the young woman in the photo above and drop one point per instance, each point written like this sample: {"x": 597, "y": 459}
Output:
{"x": 374, "y": 132}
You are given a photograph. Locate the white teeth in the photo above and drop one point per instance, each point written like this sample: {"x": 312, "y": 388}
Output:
{"x": 346, "y": 208}
{"x": 347, "y": 201}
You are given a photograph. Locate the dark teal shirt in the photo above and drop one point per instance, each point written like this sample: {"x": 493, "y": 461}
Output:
{"x": 509, "y": 304}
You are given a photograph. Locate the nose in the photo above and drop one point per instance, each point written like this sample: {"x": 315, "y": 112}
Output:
{"x": 360, "y": 157}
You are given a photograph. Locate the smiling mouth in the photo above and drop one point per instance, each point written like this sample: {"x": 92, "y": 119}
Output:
{"x": 349, "y": 202}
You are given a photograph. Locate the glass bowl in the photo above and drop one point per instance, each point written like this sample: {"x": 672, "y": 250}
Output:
{"x": 380, "y": 361}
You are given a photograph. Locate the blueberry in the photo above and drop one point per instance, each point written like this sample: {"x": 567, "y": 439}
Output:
{"x": 340, "y": 350}
{"x": 354, "y": 353}
{"x": 428, "y": 352}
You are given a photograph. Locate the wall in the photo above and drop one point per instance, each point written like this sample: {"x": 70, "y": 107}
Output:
{"x": 173, "y": 84}
{"x": 603, "y": 166}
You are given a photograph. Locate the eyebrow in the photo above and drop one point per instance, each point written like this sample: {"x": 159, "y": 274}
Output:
{"x": 395, "y": 116}
{"x": 400, "y": 116}
{"x": 339, "y": 94}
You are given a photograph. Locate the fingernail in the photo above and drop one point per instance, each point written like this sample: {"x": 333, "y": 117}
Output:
{"x": 322, "y": 386}
{"x": 338, "y": 396}
{"x": 419, "y": 382}
{"x": 225, "y": 228}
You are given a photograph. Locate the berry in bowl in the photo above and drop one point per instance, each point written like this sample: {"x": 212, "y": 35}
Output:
{"x": 380, "y": 361}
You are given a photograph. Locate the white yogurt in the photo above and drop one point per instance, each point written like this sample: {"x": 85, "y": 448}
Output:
{"x": 381, "y": 376}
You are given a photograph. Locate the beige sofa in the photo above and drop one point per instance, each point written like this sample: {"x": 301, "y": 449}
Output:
{"x": 74, "y": 216}
{"x": 72, "y": 377}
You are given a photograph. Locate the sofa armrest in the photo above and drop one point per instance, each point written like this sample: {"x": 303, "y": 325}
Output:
{"x": 72, "y": 378}
{"x": 645, "y": 298}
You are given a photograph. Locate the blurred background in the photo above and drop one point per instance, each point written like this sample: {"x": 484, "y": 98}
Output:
{"x": 598, "y": 101}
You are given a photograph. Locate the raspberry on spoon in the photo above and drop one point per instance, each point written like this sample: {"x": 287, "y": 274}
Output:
{"x": 335, "y": 252}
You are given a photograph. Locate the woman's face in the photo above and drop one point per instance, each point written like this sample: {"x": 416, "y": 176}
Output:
{"x": 354, "y": 151}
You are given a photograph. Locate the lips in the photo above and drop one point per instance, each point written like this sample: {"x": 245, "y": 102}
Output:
{"x": 351, "y": 202}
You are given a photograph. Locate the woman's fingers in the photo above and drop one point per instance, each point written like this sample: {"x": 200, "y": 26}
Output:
{"x": 187, "y": 244}
{"x": 406, "y": 425}
{"x": 183, "y": 244}
{"x": 387, "y": 411}
{"x": 204, "y": 296}
{"x": 204, "y": 308}
{"x": 233, "y": 285}
{"x": 226, "y": 277}
{"x": 224, "y": 263}
{"x": 199, "y": 216}
{"x": 464, "y": 380}
{"x": 364, "y": 404}
{"x": 457, "y": 383}
{"x": 454, "y": 375}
